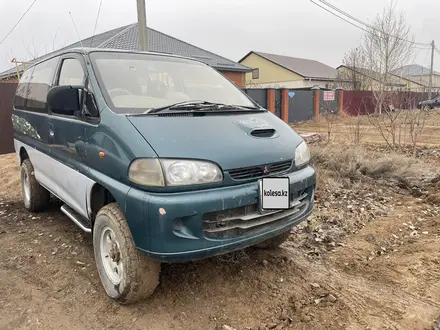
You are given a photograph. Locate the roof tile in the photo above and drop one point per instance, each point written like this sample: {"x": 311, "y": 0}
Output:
{"x": 126, "y": 38}
{"x": 304, "y": 67}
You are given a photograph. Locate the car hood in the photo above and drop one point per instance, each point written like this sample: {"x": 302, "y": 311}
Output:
{"x": 230, "y": 140}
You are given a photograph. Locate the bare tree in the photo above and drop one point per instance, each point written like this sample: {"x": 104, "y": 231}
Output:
{"x": 386, "y": 46}
{"x": 328, "y": 111}
{"x": 356, "y": 127}
{"x": 351, "y": 76}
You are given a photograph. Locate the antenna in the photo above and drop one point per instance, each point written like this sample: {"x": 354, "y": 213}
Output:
{"x": 76, "y": 29}
{"x": 53, "y": 41}
{"x": 96, "y": 23}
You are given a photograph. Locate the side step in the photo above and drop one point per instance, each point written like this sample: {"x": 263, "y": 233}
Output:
{"x": 79, "y": 220}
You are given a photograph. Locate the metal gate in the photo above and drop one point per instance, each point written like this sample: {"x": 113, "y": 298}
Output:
{"x": 300, "y": 105}
{"x": 258, "y": 95}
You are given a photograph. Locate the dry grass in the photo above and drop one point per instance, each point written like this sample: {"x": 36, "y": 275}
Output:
{"x": 346, "y": 164}
{"x": 357, "y": 185}
{"x": 9, "y": 172}
{"x": 347, "y": 128}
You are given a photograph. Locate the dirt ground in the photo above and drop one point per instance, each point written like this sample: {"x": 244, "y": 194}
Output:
{"x": 367, "y": 259}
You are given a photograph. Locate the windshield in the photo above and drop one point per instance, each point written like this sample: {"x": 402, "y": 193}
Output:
{"x": 134, "y": 83}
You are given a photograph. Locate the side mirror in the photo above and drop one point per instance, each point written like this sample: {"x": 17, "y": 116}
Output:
{"x": 64, "y": 100}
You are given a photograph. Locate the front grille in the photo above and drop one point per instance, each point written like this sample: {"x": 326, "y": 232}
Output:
{"x": 258, "y": 171}
{"x": 247, "y": 219}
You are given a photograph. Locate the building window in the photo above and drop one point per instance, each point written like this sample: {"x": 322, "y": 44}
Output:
{"x": 255, "y": 73}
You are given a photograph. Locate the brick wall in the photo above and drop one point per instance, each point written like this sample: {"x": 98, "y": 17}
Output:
{"x": 237, "y": 78}
{"x": 7, "y": 91}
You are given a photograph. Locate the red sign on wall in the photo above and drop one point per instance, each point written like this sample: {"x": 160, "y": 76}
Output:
{"x": 329, "y": 96}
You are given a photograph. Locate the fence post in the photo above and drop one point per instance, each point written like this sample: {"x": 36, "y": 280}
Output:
{"x": 341, "y": 102}
{"x": 316, "y": 101}
{"x": 271, "y": 100}
{"x": 285, "y": 105}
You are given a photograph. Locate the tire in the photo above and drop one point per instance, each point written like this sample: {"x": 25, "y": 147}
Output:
{"x": 126, "y": 275}
{"x": 274, "y": 242}
{"x": 35, "y": 197}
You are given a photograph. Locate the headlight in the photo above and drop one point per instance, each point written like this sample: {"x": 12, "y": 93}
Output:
{"x": 173, "y": 172}
{"x": 147, "y": 172}
{"x": 302, "y": 154}
{"x": 188, "y": 172}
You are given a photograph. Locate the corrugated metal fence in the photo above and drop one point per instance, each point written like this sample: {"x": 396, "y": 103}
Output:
{"x": 300, "y": 102}
{"x": 7, "y": 91}
{"x": 300, "y": 105}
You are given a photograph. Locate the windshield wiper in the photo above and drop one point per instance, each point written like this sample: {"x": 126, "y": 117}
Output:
{"x": 199, "y": 105}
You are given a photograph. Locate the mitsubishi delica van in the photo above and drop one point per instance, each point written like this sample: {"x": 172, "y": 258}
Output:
{"x": 160, "y": 158}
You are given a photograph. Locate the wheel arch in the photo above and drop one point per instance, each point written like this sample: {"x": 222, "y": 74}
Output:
{"x": 97, "y": 197}
{"x": 23, "y": 154}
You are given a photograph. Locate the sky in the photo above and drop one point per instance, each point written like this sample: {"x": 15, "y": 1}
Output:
{"x": 228, "y": 28}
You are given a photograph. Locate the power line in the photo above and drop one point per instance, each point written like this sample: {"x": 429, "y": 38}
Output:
{"x": 338, "y": 16}
{"x": 361, "y": 22}
{"x": 13, "y": 28}
{"x": 96, "y": 23}
{"x": 368, "y": 25}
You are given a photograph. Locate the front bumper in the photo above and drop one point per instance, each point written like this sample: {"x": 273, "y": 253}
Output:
{"x": 194, "y": 225}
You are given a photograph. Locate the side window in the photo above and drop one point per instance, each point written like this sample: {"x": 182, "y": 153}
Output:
{"x": 22, "y": 89}
{"x": 256, "y": 73}
{"x": 39, "y": 84}
{"x": 71, "y": 73}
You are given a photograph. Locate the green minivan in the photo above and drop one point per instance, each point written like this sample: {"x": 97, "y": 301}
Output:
{"x": 159, "y": 157}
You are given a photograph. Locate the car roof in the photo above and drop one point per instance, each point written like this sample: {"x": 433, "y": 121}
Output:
{"x": 88, "y": 50}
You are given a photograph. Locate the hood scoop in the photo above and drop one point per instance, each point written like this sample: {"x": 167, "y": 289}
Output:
{"x": 263, "y": 133}
{"x": 258, "y": 128}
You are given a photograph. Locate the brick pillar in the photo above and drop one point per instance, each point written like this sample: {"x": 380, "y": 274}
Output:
{"x": 316, "y": 101}
{"x": 271, "y": 100}
{"x": 285, "y": 105}
{"x": 341, "y": 102}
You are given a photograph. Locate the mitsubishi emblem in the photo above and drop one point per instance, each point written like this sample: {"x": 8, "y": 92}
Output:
{"x": 266, "y": 170}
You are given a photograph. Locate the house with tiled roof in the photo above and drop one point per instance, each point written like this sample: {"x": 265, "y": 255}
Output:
{"x": 279, "y": 71}
{"x": 362, "y": 79}
{"x": 419, "y": 74}
{"x": 126, "y": 38}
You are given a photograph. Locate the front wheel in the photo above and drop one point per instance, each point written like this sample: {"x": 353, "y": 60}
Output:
{"x": 274, "y": 242}
{"x": 126, "y": 275}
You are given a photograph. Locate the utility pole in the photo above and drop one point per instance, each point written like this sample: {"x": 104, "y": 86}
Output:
{"x": 432, "y": 70}
{"x": 14, "y": 60}
{"x": 142, "y": 25}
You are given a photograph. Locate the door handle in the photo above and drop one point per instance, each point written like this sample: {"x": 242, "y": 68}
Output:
{"x": 51, "y": 130}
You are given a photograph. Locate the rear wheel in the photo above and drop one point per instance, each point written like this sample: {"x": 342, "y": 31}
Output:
{"x": 126, "y": 275}
{"x": 35, "y": 197}
{"x": 274, "y": 242}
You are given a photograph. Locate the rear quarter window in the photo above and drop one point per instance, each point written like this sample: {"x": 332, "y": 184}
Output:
{"x": 22, "y": 89}
{"x": 39, "y": 85}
